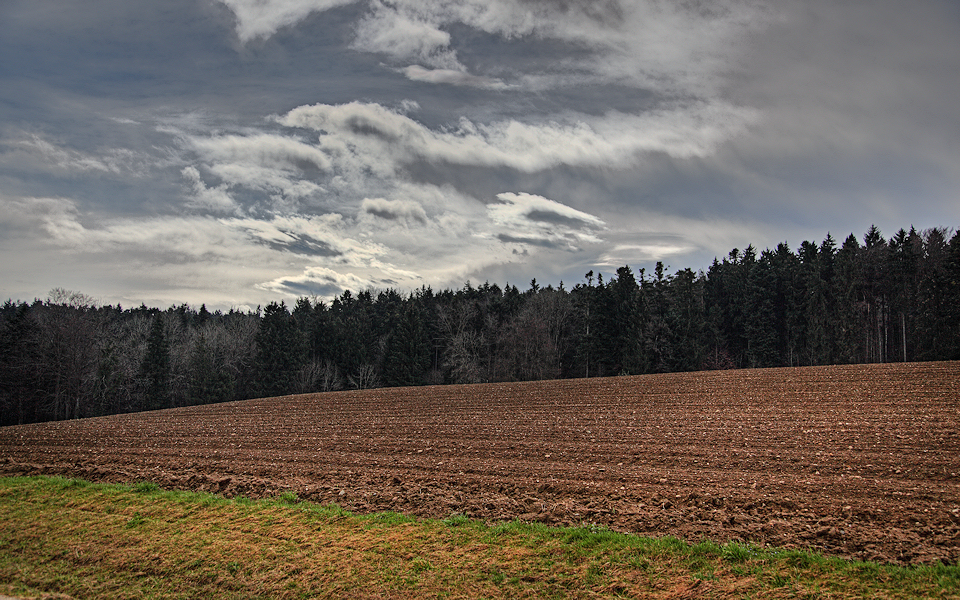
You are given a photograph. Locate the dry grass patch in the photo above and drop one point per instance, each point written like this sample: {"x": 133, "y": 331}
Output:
{"x": 89, "y": 540}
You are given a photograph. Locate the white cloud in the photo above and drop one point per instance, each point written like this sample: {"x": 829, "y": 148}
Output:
{"x": 405, "y": 37}
{"x": 36, "y": 153}
{"x": 377, "y": 136}
{"x": 283, "y": 168}
{"x": 287, "y": 184}
{"x": 675, "y": 46}
{"x": 535, "y": 220}
{"x": 56, "y": 218}
{"x": 622, "y": 254}
{"x": 530, "y": 207}
{"x": 61, "y": 224}
{"x": 226, "y": 257}
{"x": 260, "y": 149}
{"x": 318, "y": 281}
{"x": 70, "y": 160}
{"x": 262, "y": 18}
{"x": 214, "y": 199}
{"x": 452, "y": 77}
{"x": 328, "y": 235}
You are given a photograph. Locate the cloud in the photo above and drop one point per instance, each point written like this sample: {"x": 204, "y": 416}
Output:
{"x": 288, "y": 184}
{"x": 214, "y": 199}
{"x": 322, "y": 235}
{"x": 170, "y": 240}
{"x": 318, "y": 281}
{"x": 622, "y": 254}
{"x": 56, "y": 218}
{"x": 36, "y": 153}
{"x": 260, "y": 149}
{"x": 201, "y": 253}
{"x": 405, "y": 37}
{"x": 262, "y": 18}
{"x": 542, "y": 210}
{"x": 377, "y": 140}
{"x": 680, "y": 49}
{"x": 530, "y": 219}
{"x": 282, "y": 167}
{"x": 681, "y": 46}
{"x": 837, "y": 101}
{"x": 645, "y": 236}
{"x": 394, "y": 210}
{"x": 377, "y": 136}
{"x": 452, "y": 77}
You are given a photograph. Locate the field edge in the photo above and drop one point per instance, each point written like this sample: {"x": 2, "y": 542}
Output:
{"x": 510, "y": 558}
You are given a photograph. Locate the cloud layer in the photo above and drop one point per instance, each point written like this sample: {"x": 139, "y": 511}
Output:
{"x": 237, "y": 151}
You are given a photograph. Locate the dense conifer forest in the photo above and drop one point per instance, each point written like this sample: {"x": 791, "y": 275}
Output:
{"x": 874, "y": 300}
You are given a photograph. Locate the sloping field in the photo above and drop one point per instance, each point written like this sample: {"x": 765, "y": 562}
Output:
{"x": 858, "y": 461}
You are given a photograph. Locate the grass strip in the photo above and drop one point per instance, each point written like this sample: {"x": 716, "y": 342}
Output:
{"x": 84, "y": 540}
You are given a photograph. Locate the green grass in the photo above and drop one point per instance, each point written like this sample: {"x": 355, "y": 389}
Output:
{"x": 84, "y": 540}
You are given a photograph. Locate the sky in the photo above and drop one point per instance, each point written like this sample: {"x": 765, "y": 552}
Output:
{"x": 237, "y": 152}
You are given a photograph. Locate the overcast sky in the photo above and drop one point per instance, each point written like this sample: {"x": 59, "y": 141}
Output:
{"x": 235, "y": 152}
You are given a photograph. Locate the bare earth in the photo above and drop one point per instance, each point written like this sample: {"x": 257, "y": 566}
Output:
{"x": 857, "y": 461}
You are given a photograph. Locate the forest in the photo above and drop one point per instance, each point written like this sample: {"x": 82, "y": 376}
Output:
{"x": 875, "y": 300}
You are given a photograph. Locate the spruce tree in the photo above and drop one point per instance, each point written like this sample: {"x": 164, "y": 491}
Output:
{"x": 407, "y": 354}
{"x": 155, "y": 368}
{"x": 281, "y": 351}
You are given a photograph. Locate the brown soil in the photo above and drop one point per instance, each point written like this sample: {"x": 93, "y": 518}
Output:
{"x": 856, "y": 461}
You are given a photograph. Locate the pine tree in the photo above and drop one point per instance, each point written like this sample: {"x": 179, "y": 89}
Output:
{"x": 936, "y": 299}
{"x": 626, "y": 324}
{"x": 906, "y": 254}
{"x": 407, "y": 355}
{"x": 657, "y": 336}
{"x": 760, "y": 328}
{"x": 848, "y": 292}
{"x": 19, "y": 366}
{"x": 280, "y": 351}
{"x": 155, "y": 367}
{"x": 687, "y": 319}
{"x": 951, "y": 317}
{"x": 875, "y": 294}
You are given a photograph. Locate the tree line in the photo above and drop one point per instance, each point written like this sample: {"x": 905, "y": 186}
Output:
{"x": 872, "y": 301}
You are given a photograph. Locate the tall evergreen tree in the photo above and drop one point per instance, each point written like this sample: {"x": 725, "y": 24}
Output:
{"x": 788, "y": 303}
{"x": 816, "y": 324}
{"x": 687, "y": 320}
{"x": 19, "y": 366}
{"x": 657, "y": 335}
{"x": 875, "y": 294}
{"x": 627, "y": 323}
{"x": 905, "y": 255}
{"x": 155, "y": 367}
{"x": 760, "y": 328}
{"x": 951, "y": 305}
{"x": 407, "y": 356}
{"x": 280, "y": 351}
{"x": 935, "y": 300}
{"x": 848, "y": 291}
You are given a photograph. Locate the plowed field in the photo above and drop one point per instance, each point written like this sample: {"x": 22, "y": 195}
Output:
{"x": 857, "y": 461}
